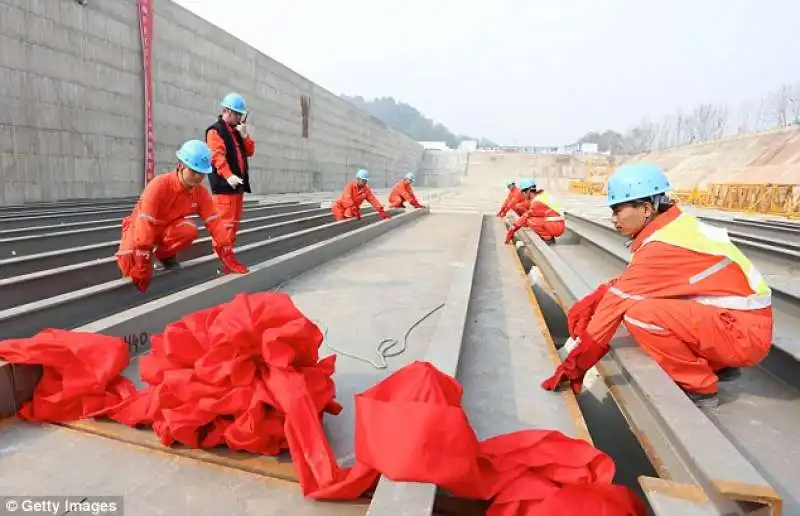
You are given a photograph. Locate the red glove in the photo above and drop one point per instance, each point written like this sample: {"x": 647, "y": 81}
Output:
{"x": 502, "y": 213}
{"x": 510, "y": 233}
{"x": 142, "y": 272}
{"x": 574, "y": 368}
{"x": 581, "y": 312}
{"x": 383, "y": 214}
{"x": 417, "y": 205}
{"x": 357, "y": 212}
{"x": 229, "y": 261}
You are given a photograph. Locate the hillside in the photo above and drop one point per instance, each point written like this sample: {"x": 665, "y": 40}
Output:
{"x": 409, "y": 121}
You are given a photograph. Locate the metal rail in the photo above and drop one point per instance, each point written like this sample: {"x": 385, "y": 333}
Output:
{"x": 703, "y": 468}
{"x": 53, "y": 258}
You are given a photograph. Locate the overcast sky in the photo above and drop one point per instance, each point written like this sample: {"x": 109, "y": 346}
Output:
{"x": 525, "y": 72}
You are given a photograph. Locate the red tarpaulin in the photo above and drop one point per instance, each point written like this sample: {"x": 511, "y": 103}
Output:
{"x": 247, "y": 374}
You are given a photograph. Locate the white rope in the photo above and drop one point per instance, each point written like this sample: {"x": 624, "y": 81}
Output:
{"x": 385, "y": 348}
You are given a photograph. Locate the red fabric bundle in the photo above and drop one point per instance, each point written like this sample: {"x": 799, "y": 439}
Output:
{"x": 247, "y": 374}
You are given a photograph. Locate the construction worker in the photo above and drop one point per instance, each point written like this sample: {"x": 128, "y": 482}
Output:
{"x": 159, "y": 219}
{"x": 543, "y": 214}
{"x": 348, "y": 205}
{"x": 402, "y": 193}
{"x": 689, "y": 297}
{"x": 231, "y": 145}
{"x": 513, "y": 198}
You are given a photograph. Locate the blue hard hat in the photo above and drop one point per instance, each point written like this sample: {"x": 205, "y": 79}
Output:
{"x": 234, "y": 102}
{"x": 510, "y": 182}
{"x": 411, "y": 176}
{"x": 196, "y": 155}
{"x": 527, "y": 183}
{"x": 636, "y": 181}
{"x": 362, "y": 174}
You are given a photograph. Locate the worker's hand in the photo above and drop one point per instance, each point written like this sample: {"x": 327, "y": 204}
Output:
{"x": 582, "y": 358}
{"x": 244, "y": 130}
{"x": 418, "y": 206}
{"x": 234, "y": 180}
{"x": 383, "y": 214}
{"x": 580, "y": 314}
{"x": 357, "y": 212}
{"x": 229, "y": 262}
{"x": 500, "y": 214}
{"x": 510, "y": 234}
{"x": 142, "y": 272}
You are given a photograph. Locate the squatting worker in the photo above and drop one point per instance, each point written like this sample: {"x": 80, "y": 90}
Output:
{"x": 159, "y": 219}
{"x": 403, "y": 193}
{"x": 513, "y": 198}
{"x": 348, "y": 205}
{"x": 539, "y": 212}
{"x": 231, "y": 145}
{"x": 689, "y": 297}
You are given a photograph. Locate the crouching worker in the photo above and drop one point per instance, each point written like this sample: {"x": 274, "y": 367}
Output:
{"x": 348, "y": 205}
{"x": 542, "y": 213}
{"x": 689, "y": 297}
{"x": 402, "y": 193}
{"x": 513, "y": 198}
{"x": 159, "y": 219}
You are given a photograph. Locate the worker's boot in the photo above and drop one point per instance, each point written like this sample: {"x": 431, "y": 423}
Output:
{"x": 704, "y": 401}
{"x": 729, "y": 374}
{"x": 171, "y": 264}
{"x": 550, "y": 241}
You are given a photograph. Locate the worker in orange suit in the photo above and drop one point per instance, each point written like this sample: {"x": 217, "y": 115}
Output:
{"x": 543, "y": 214}
{"x": 403, "y": 193}
{"x": 231, "y": 145}
{"x": 159, "y": 219}
{"x": 513, "y": 198}
{"x": 348, "y": 205}
{"x": 690, "y": 298}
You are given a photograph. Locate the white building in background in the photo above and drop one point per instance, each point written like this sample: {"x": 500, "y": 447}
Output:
{"x": 433, "y": 145}
{"x": 581, "y": 148}
{"x": 468, "y": 146}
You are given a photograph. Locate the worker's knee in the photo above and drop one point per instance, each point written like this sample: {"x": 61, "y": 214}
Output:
{"x": 185, "y": 231}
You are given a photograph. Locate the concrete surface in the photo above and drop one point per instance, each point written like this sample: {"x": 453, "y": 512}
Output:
{"x": 72, "y": 117}
{"x": 505, "y": 355}
{"x": 378, "y": 292}
{"x": 151, "y": 482}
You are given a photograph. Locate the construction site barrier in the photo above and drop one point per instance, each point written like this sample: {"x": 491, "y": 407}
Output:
{"x": 768, "y": 199}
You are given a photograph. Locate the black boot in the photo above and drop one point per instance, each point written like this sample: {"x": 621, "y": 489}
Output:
{"x": 704, "y": 401}
{"x": 729, "y": 374}
{"x": 171, "y": 264}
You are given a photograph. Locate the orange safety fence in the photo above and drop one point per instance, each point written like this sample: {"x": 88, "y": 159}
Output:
{"x": 772, "y": 199}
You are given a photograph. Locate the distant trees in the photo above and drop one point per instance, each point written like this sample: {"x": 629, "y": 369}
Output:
{"x": 406, "y": 119}
{"x": 706, "y": 122}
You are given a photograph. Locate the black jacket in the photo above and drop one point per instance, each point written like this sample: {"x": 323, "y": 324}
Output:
{"x": 219, "y": 185}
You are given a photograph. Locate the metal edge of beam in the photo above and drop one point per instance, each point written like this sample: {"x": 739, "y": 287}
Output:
{"x": 414, "y": 498}
{"x": 152, "y": 317}
{"x": 672, "y": 440}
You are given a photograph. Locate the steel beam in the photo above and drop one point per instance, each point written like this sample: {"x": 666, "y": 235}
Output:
{"x": 51, "y": 259}
{"x": 78, "y": 307}
{"x": 412, "y": 498}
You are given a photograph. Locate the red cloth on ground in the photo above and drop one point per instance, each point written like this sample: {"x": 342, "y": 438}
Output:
{"x": 247, "y": 374}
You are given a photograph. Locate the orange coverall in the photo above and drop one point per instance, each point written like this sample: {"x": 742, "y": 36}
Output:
{"x": 349, "y": 203}
{"x": 544, "y": 220}
{"x": 689, "y": 340}
{"x": 514, "y": 197}
{"x": 229, "y": 207}
{"x": 159, "y": 219}
{"x": 401, "y": 193}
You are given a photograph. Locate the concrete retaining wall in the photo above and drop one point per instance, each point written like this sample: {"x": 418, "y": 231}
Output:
{"x": 442, "y": 169}
{"x": 72, "y": 115}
